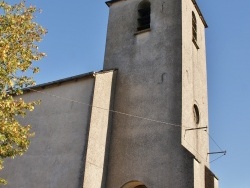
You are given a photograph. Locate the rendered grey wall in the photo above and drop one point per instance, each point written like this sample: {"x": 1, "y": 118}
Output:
{"x": 99, "y": 132}
{"x": 149, "y": 85}
{"x": 194, "y": 91}
{"x": 56, "y": 157}
{"x": 194, "y": 87}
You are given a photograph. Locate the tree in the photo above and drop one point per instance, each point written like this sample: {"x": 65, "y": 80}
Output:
{"x": 19, "y": 35}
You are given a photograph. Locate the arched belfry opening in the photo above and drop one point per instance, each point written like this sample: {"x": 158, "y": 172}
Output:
{"x": 144, "y": 11}
{"x": 134, "y": 184}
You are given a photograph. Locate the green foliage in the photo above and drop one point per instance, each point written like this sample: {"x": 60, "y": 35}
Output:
{"x": 19, "y": 35}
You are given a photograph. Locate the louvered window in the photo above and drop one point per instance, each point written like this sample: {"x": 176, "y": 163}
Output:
{"x": 144, "y": 11}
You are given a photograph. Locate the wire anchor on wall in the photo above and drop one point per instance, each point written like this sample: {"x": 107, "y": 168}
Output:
{"x": 193, "y": 129}
{"x": 218, "y": 152}
{"x": 223, "y": 152}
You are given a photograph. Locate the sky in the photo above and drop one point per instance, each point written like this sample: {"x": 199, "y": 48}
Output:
{"x": 75, "y": 44}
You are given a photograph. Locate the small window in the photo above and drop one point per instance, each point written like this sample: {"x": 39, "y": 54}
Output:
{"x": 194, "y": 27}
{"x": 144, "y": 11}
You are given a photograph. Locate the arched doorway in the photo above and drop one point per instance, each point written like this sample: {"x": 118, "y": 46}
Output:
{"x": 141, "y": 186}
{"x": 134, "y": 184}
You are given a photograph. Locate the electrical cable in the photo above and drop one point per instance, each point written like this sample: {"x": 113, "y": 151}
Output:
{"x": 126, "y": 114}
{"x": 114, "y": 111}
{"x": 217, "y": 158}
{"x": 214, "y": 141}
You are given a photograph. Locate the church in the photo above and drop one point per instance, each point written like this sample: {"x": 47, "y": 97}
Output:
{"x": 141, "y": 122}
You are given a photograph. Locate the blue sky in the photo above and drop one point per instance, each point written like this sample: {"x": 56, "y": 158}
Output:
{"x": 228, "y": 47}
{"x": 75, "y": 44}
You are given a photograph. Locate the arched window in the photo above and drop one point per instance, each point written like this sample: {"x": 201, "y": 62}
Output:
{"x": 144, "y": 11}
{"x": 194, "y": 27}
{"x": 196, "y": 114}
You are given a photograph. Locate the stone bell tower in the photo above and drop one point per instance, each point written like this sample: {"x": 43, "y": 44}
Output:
{"x": 159, "y": 140}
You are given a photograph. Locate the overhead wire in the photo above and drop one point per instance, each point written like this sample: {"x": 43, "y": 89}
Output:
{"x": 126, "y": 114}
{"x": 214, "y": 141}
{"x": 224, "y": 152}
{"x": 194, "y": 149}
{"x": 114, "y": 111}
{"x": 217, "y": 158}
